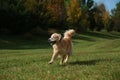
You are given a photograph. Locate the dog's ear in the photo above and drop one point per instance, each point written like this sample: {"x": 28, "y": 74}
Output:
{"x": 60, "y": 36}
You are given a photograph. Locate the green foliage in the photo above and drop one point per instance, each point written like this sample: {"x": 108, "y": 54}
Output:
{"x": 31, "y": 16}
{"x": 99, "y": 18}
{"x": 116, "y": 11}
{"x": 21, "y": 16}
{"x": 13, "y": 16}
{"x": 74, "y": 13}
{"x": 116, "y": 17}
{"x": 38, "y": 12}
{"x": 58, "y": 14}
{"x": 78, "y": 14}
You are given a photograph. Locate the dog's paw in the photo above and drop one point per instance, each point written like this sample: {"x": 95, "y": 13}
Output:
{"x": 50, "y": 62}
{"x": 61, "y": 63}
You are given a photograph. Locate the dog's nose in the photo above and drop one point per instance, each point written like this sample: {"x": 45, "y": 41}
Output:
{"x": 49, "y": 40}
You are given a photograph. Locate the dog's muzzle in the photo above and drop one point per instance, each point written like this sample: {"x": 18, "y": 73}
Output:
{"x": 52, "y": 42}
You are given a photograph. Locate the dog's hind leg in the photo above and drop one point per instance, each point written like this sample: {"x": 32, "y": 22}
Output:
{"x": 66, "y": 58}
{"x": 54, "y": 56}
{"x": 62, "y": 59}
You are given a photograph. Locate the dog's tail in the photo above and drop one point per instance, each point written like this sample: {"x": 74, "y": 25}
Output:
{"x": 69, "y": 33}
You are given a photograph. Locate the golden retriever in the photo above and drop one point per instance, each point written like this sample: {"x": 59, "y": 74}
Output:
{"x": 61, "y": 46}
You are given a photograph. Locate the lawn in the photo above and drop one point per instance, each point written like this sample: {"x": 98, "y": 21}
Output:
{"x": 96, "y": 57}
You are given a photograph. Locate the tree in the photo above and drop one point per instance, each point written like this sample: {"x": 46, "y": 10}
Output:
{"x": 21, "y": 16}
{"x": 116, "y": 17}
{"x": 58, "y": 13}
{"x": 106, "y": 20}
{"x": 99, "y": 17}
{"x": 74, "y": 13}
{"x": 116, "y": 11}
{"x": 86, "y": 6}
{"x": 37, "y": 12}
{"x": 11, "y": 13}
{"x": 77, "y": 12}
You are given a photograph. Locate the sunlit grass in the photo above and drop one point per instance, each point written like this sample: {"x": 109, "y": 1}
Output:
{"x": 96, "y": 57}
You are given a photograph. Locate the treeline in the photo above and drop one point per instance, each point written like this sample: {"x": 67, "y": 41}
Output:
{"x": 21, "y": 16}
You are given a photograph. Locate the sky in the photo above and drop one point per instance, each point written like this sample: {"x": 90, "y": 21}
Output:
{"x": 110, "y": 4}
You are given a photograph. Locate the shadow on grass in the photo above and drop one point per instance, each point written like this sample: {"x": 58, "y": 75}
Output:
{"x": 20, "y": 42}
{"x": 91, "y": 36}
{"x": 84, "y": 38}
{"x": 40, "y": 42}
{"x": 103, "y": 35}
{"x": 90, "y": 62}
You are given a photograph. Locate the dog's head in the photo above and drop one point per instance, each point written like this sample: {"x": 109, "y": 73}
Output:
{"x": 54, "y": 38}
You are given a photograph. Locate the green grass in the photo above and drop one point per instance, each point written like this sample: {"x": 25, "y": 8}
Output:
{"x": 96, "y": 57}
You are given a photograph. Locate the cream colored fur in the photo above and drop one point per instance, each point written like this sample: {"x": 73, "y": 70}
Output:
{"x": 62, "y": 47}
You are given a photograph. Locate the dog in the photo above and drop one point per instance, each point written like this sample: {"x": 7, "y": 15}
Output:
{"x": 61, "y": 46}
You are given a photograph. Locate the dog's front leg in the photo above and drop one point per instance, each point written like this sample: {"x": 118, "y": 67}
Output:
{"x": 54, "y": 56}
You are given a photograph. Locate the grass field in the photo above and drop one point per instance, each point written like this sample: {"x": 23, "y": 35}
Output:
{"x": 96, "y": 57}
